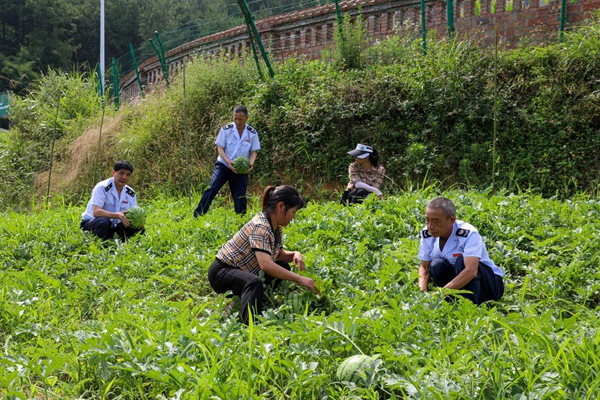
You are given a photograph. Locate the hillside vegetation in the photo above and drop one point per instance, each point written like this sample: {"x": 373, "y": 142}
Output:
{"x": 432, "y": 117}
{"x": 138, "y": 320}
{"x": 38, "y": 36}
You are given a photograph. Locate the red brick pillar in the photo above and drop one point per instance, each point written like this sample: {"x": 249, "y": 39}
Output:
{"x": 371, "y": 25}
{"x": 303, "y": 38}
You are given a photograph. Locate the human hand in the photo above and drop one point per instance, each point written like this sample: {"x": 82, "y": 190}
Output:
{"x": 298, "y": 261}
{"x": 423, "y": 284}
{"x": 380, "y": 196}
{"x": 308, "y": 283}
{"x": 230, "y": 163}
{"x": 123, "y": 218}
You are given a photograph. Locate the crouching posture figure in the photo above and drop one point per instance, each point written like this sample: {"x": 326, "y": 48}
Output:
{"x": 105, "y": 213}
{"x": 257, "y": 246}
{"x": 453, "y": 255}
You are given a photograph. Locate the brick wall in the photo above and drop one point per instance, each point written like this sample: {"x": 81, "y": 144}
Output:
{"x": 307, "y": 32}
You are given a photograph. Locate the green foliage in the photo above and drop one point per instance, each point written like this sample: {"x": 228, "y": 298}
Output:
{"x": 55, "y": 112}
{"x": 39, "y": 35}
{"x": 350, "y": 44}
{"x": 431, "y": 117}
{"x": 80, "y": 318}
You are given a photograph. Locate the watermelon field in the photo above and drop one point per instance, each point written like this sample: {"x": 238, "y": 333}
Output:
{"x": 138, "y": 320}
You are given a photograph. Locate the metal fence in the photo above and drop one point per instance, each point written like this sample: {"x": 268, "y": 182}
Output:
{"x": 3, "y": 104}
{"x": 201, "y": 28}
{"x": 292, "y": 35}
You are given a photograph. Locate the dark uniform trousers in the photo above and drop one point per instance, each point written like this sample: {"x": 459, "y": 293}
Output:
{"x": 247, "y": 285}
{"x": 104, "y": 229}
{"x": 238, "y": 184}
{"x": 354, "y": 196}
{"x": 485, "y": 286}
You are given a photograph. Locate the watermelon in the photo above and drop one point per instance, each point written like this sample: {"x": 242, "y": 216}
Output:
{"x": 296, "y": 303}
{"x": 357, "y": 369}
{"x": 137, "y": 217}
{"x": 241, "y": 164}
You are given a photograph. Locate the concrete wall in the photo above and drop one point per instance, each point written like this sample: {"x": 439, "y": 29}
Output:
{"x": 307, "y": 32}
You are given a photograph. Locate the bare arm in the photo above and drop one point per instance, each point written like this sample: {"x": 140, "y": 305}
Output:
{"x": 293, "y": 257}
{"x": 252, "y": 158}
{"x": 466, "y": 275}
{"x": 276, "y": 271}
{"x": 424, "y": 275}
{"x": 101, "y": 212}
{"x": 223, "y": 155}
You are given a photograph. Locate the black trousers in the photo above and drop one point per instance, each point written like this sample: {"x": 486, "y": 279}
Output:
{"x": 104, "y": 229}
{"x": 248, "y": 286}
{"x": 485, "y": 286}
{"x": 238, "y": 184}
{"x": 354, "y": 196}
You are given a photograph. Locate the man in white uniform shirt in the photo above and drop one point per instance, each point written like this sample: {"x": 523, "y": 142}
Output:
{"x": 234, "y": 140}
{"x": 453, "y": 255}
{"x": 105, "y": 213}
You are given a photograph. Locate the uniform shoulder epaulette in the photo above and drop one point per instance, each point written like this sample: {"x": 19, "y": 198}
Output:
{"x": 462, "y": 232}
{"x": 108, "y": 187}
{"x": 130, "y": 191}
{"x": 425, "y": 233}
{"x": 250, "y": 129}
{"x": 228, "y": 126}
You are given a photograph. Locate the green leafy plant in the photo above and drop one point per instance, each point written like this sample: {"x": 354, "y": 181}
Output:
{"x": 84, "y": 318}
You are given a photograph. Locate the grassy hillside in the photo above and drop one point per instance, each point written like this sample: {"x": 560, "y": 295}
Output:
{"x": 526, "y": 119}
{"x": 138, "y": 320}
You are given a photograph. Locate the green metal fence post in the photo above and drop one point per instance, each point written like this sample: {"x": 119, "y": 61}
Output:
{"x": 115, "y": 82}
{"x": 423, "y": 27}
{"x": 339, "y": 18}
{"x": 99, "y": 88}
{"x": 4, "y": 106}
{"x": 450, "y": 16}
{"x": 161, "y": 59}
{"x": 162, "y": 48}
{"x": 250, "y": 21}
{"x": 563, "y": 12}
{"x": 254, "y": 50}
{"x": 137, "y": 70}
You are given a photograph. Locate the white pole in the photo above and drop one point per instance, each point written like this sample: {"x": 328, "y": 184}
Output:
{"x": 102, "y": 45}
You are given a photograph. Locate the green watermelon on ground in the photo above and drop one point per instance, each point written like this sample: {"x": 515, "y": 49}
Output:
{"x": 356, "y": 368}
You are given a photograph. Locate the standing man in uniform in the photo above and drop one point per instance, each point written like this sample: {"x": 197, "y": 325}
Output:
{"x": 453, "y": 254}
{"x": 105, "y": 213}
{"x": 234, "y": 140}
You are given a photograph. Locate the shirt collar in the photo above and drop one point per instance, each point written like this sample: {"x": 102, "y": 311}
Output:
{"x": 275, "y": 232}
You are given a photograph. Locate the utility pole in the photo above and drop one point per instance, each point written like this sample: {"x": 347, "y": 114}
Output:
{"x": 102, "y": 46}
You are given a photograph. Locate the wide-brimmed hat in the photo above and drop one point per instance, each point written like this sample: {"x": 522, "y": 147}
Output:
{"x": 361, "y": 151}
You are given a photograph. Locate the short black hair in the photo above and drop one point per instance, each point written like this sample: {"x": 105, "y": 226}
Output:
{"x": 122, "y": 164}
{"x": 241, "y": 109}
